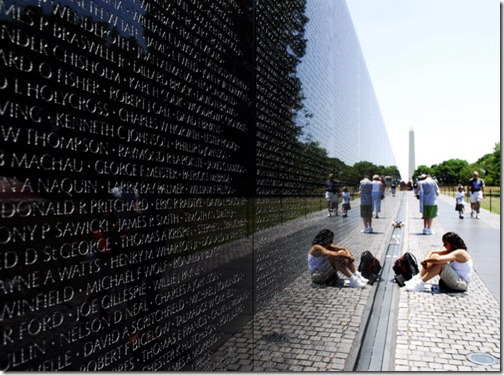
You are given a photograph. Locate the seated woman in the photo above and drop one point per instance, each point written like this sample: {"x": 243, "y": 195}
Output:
{"x": 453, "y": 264}
{"x": 325, "y": 258}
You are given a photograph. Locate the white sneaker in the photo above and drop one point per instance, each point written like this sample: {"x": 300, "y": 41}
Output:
{"x": 477, "y": 216}
{"x": 413, "y": 280}
{"x": 417, "y": 285}
{"x": 355, "y": 282}
{"x": 370, "y": 230}
{"x": 361, "y": 278}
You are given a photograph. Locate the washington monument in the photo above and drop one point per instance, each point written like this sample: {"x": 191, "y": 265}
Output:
{"x": 411, "y": 166}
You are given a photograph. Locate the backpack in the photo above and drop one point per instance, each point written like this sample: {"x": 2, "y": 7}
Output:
{"x": 369, "y": 267}
{"x": 405, "y": 268}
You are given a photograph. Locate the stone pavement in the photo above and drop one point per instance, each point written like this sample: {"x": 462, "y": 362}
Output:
{"x": 436, "y": 332}
{"x": 310, "y": 328}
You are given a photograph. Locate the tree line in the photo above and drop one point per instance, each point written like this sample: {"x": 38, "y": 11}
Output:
{"x": 351, "y": 176}
{"x": 457, "y": 171}
{"x": 449, "y": 172}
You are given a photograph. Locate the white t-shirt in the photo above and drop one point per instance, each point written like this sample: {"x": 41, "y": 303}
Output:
{"x": 346, "y": 197}
{"x": 459, "y": 196}
{"x": 376, "y": 186}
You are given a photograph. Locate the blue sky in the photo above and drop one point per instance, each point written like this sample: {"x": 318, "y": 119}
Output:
{"x": 435, "y": 67}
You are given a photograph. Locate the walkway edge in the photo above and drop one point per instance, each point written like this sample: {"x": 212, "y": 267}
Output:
{"x": 356, "y": 346}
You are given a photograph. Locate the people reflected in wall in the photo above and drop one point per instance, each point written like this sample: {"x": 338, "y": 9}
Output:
{"x": 326, "y": 258}
{"x": 366, "y": 204}
{"x": 331, "y": 195}
{"x": 346, "y": 201}
{"x": 376, "y": 194}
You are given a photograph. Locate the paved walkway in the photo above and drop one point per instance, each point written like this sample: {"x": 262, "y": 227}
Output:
{"x": 310, "y": 328}
{"x": 436, "y": 332}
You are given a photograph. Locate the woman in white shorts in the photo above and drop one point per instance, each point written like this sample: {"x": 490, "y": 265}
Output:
{"x": 453, "y": 264}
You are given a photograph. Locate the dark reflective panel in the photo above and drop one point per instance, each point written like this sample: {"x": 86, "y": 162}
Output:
{"x": 161, "y": 175}
{"x": 125, "y": 182}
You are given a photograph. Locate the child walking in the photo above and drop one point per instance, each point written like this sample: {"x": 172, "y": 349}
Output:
{"x": 459, "y": 201}
{"x": 346, "y": 201}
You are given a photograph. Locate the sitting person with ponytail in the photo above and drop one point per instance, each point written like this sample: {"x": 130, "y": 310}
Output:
{"x": 453, "y": 264}
{"x": 325, "y": 259}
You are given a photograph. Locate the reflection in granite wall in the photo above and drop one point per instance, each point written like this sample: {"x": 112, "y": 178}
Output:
{"x": 345, "y": 116}
{"x": 289, "y": 171}
{"x": 125, "y": 182}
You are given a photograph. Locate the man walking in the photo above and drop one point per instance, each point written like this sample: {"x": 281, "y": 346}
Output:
{"x": 476, "y": 193}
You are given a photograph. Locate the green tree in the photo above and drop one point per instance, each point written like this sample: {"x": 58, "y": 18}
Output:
{"x": 489, "y": 166}
{"x": 450, "y": 171}
{"x": 392, "y": 171}
{"x": 421, "y": 169}
{"x": 340, "y": 170}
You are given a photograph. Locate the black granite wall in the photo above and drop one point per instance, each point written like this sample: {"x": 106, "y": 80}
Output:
{"x": 147, "y": 147}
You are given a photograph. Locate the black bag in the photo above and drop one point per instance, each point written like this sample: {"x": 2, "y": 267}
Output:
{"x": 369, "y": 267}
{"x": 405, "y": 268}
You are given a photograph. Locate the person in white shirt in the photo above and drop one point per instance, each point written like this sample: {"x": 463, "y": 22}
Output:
{"x": 429, "y": 191}
{"x": 459, "y": 201}
{"x": 453, "y": 264}
{"x": 346, "y": 201}
{"x": 376, "y": 194}
{"x": 476, "y": 192}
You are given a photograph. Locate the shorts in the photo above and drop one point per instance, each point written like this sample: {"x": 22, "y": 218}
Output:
{"x": 330, "y": 197}
{"x": 366, "y": 211}
{"x": 476, "y": 197}
{"x": 452, "y": 279}
{"x": 323, "y": 274}
{"x": 429, "y": 212}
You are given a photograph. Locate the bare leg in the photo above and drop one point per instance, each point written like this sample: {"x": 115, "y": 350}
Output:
{"x": 352, "y": 268}
{"x": 345, "y": 266}
{"x": 431, "y": 272}
{"x": 429, "y": 223}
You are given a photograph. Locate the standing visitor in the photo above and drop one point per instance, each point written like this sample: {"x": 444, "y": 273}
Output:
{"x": 429, "y": 191}
{"x": 459, "y": 201}
{"x": 346, "y": 201}
{"x": 476, "y": 193}
{"x": 376, "y": 194}
{"x": 422, "y": 177}
{"x": 366, "y": 204}
{"x": 331, "y": 195}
